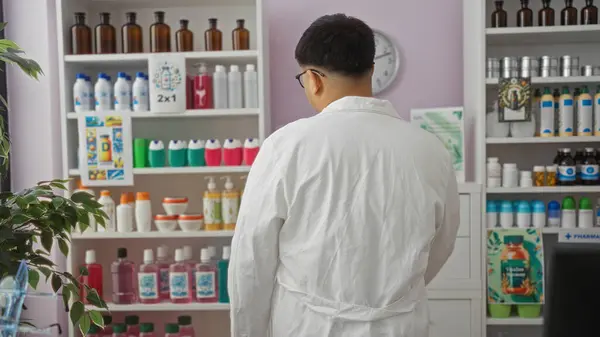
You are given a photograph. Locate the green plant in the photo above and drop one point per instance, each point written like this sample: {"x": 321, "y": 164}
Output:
{"x": 32, "y": 220}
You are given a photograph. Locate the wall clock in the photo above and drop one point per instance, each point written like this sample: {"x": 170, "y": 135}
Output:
{"x": 387, "y": 62}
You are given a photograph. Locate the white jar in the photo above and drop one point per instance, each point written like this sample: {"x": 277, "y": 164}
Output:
{"x": 494, "y": 172}
{"x": 525, "y": 179}
{"x": 510, "y": 175}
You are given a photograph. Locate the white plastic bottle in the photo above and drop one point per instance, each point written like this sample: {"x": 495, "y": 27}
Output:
{"x": 124, "y": 215}
{"x": 91, "y": 101}
{"x": 250, "y": 87}
{"x": 538, "y": 211}
{"x": 143, "y": 212}
{"x": 230, "y": 204}
{"x": 220, "y": 87}
{"x": 140, "y": 94}
{"x": 494, "y": 172}
{"x": 81, "y": 94}
{"x": 130, "y": 84}
{"x": 147, "y": 85}
{"x": 585, "y": 113}
{"x": 523, "y": 215}
{"x": 122, "y": 93}
{"x": 547, "y": 114}
{"x": 234, "y": 88}
{"x": 565, "y": 114}
{"x": 108, "y": 206}
{"x": 102, "y": 93}
{"x": 492, "y": 213}
{"x": 597, "y": 112}
{"x": 506, "y": 214}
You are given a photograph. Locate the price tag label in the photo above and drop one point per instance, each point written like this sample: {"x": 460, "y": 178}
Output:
{"x": 167, "y": 83}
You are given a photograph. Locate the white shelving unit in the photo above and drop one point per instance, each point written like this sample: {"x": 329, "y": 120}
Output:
{"x": 212, "y": 319}
{"x": 481, "y": 42}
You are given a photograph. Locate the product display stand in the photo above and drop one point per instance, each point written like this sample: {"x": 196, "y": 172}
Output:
{"x": 209, "y": 319}
{"x": 482, "y": 42}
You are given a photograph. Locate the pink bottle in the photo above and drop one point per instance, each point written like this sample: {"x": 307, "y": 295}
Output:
{"x": 191, "y": 267}
{"x": 163, "y": 262}
{"x": 206, "y": 279}
{"x": 186, "y": 329}
{"x": 212, "y": 152}
{"x": 119, "y": 330}
{"x": 251, "y": 148}
{"x": 203, "y": 90}
{"x": 148, "y": 280}
{"x": 147, "y": 330}
{"x": 179, "y": 280}
{"x": 232, "y": 152}
{"x": 123, "y": 279}
{"x": 108, "y": 330}
{"x": 133, "y": 325}
{"x": 172, "y": 329}
{"x": 189, "y": 92}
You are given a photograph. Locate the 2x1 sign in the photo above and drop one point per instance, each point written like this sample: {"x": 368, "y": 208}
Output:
{"x": 167, "y": 83}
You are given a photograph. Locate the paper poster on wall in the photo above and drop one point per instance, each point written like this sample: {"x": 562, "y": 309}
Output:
{"x": 449, "y": 126}
{"x": 105, "y": 149}
{"x": 515, "y": 266}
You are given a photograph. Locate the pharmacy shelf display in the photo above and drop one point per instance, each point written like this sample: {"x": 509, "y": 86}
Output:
{"x": 200, "y": 119}
{"x": 555, "y": 57}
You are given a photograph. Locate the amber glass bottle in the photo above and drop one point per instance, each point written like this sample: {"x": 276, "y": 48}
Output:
{"x": 589, "y": 13}
{"x": 213, "y": 38}
{"x": 568, "y": 16}
{"x": 106, "y": 36}
{"x": 240, "y": 36}
{"x": 525, "y": 15}
{"x": 499, "y": 16}
{"x": 546, "y": 14}
{"x": 160, "y": 34}
{"x": 131, "y": 35}
{"x": 184, "y": 38}
{"x": 81, "y": 36}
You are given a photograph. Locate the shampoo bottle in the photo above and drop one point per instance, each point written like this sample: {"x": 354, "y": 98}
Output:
{"x": 234, "y": 88}
{"x": 585, "y": 113}
{"x": 547, "y": 114}
{"x": 177, "y": 153}
{"x": 156, "y": 154}
{"x": 250, "y": 87}
{"x": 139, "y": 93}
{"x": 230, "y": 204}
{"x": 196, "y": 153}
{"x": 212, "y": 206}
{"x": 232, "y": 152}
{"x": 566, "y": 113}
{"x": 222, "y": 271}
{"x": 220, "y": 87}
{"x": 102, "y": 93}
{"x": 124, "y": 215}
{"x": 206, "y": 279}
{"x": 251, "y": 147}
{"x": 143, "y": 212}
{"x": 597, "y": 112}
{"x": 213, "y": 152}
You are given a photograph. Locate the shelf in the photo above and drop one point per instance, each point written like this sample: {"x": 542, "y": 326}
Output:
{"x": 543, "y": 35}
{"x": 551, "y": 230}
{"x": 141, "y": 59}
{"x": 187, "y": 114}
{"x": 152, "y": 235}
{"x": 515, "y": 321}
{"x": 543, "y": 140}
{"x": 164, "y": 307}
{"x": 575, "y": 80}
{"x": 184, "y": 170}
{"x": 544, "y": 189}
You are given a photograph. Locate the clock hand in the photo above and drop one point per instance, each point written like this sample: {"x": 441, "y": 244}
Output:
{"x": 383, "y": 55}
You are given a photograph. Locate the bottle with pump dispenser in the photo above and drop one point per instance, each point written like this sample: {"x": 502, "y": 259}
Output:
{"x": 206, "y": 279}
{"x": 149, "y": 279}
{"x": 250, "y": 87}
{"x": 203, "y": 88}
{"x": 220, "y": 84}
{"x": 179, "y": 282}
{"x": 212, "y": 206}
{"x": 234, "y": 88}
{"x": 230, "y": 204}
{"x": 565, "y": 114}
{"x": 585, "y": 113}
{"x": 124, "y": 215}
{"x": 93, "y": 278}
{"x": 108, "y": 206}
{"x": 222, "y": 272}
{"x": 123, "y": 279}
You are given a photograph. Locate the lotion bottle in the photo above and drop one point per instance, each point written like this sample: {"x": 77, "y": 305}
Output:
{"x": 212, "y": 206}
{"x": 108, "y": 206}
{"x": 565, "y": 114}
{"x": 124, "y": 215}
{"x": 230, "y": 204}
{"x": 143, "y": 212}
{"x": 585, "y": 114}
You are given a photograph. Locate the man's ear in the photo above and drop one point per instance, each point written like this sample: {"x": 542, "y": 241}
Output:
{"x": 316, "y": 82}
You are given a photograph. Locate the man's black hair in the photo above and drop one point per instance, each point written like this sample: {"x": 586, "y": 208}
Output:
{"x": 337, "y": 43}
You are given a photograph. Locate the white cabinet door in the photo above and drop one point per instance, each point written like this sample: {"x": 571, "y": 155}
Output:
{"x": 450, "y": 318}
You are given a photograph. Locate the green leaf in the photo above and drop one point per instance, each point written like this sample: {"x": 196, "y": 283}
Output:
{"x": 2, "y": 25}
{"x": 83, "y": 271}
{"x": 58, "y": 202}
{"x": 56, "y": 283}
{"x": 97, "y": 318}
{"x": 84, "y": 324}
{"x": 34, "y": 278}
{"x": 74, "y": 291}
{"x": 66, "y": 296}
{"x": 81, "y": 197}
{"x": 94, "y": 298}
{"x": 77, "y": 310}
{"x": 64, "y": 247}
{"x": 58, "y": 185}
{"x": 47, "y": 240}
{"x": 46, "y": 271}
{"x": 19, "y": 219}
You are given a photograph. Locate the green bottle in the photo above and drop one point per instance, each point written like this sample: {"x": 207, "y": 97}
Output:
{"x": 223, "y": 270}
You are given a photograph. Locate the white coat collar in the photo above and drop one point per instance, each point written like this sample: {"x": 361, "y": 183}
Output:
{"x": 363, "y": 104}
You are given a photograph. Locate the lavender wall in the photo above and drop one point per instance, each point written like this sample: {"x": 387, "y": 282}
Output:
{"x": 428, "y": 34}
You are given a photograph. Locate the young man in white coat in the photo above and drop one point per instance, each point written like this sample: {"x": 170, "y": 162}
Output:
{"x": 346, "y": 215}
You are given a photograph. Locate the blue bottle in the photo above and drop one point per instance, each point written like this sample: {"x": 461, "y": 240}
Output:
{"x": 523, "y": 215}
{"x": 538, "y": 210}
{"x": 554, "y": 214}
{"x": 506, "y": 214}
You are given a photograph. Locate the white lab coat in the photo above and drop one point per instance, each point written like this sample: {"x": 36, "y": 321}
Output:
{"x": 345, "y": 217}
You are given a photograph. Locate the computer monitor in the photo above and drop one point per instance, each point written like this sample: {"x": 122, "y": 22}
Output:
{"x": 573, "y": 291}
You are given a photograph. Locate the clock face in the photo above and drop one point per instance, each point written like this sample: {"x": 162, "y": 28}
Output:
{"x": 387, "y": 63}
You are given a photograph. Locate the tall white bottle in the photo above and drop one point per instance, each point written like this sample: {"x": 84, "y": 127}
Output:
{"x": 140, "y": 93}
{"x": 220, "y": 87}
{"x": 124, "y": 215}
{"x": 234, "y": 88}
{"x": 91, "y": 101}
{"x": 108, "y": 206}
{"x": 122, "y": 93}
{"x": 250, "y": 87}
{"x": 81, "y": 94}
{"x": 102, "y": 93}
{"x": 143, "y": 212}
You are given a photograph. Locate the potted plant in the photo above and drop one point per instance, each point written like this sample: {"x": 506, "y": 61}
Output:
{"x": 32, "y": 221}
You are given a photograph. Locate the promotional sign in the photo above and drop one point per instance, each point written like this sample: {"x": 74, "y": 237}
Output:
{"x": 579, "y": 235}
{"x": 449, "y": 126}
{"x": 515, "y": 266}
{"x": 514, "y": 100}
{"x": 167, "y": 83}
{"x": 105, "y": 154}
